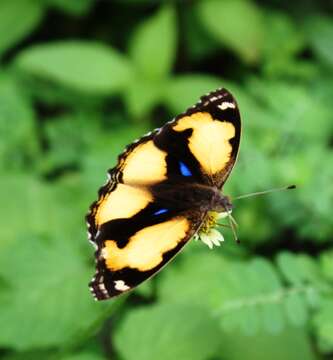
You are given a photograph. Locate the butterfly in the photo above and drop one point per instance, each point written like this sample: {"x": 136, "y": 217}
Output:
{"x": 165, "y": 189}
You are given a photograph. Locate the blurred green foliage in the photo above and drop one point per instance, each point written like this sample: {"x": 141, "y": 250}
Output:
{"x": 79, "y": 79}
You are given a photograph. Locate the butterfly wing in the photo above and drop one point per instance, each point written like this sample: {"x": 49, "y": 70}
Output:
{"x": 130, "y": 250}
{"x": 135, "y": 233}
{"x": 206, "y": 137}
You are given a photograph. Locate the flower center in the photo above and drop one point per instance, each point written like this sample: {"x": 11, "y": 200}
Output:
{"x": 209, "y": 222}
{"x": 207, "y": 232}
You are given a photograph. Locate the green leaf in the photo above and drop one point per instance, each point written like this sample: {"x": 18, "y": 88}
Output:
{"x": 167, "y": 332}
{"x": 323, "y": 322}
{"x": 263, "y": 345}
{"x": 69, "y": 139}
{"x": 269, "y": 279}
{"x": 296, "y": 310}
{"x": 31, "y": 202}
{"x": 297, "y": 106}
{"x": 284, "y": 39}
{"x": 326, "y": 264}
{"x": 283, "y": 42}
{"x": 309, "y": 269}
{"x": 25, "y": 204}
{"x": 75, "y": 7}
{"x": 245, "y": 296}
{"x": 175, "y": 284}
{"x": 301, "y": 271}
{"x": 183, "y": 91}
{"x": 18, "y": 18}
{"x": 288, "y": 265}
{"x": 50, "y": 295}
{"x": 225, "y": 21}
{"x": 313, "y": 175}
{"x": 320, "y": 33}
{"x": 53, "y": 355}
{"x": 141, "y": 96}
{"x": 153, "y": 46}
{"x": 199, "y": 43}
{"x": 272, "y": 317}
{"x": 265, "y": 291}
{"x": 83, "y": 356}
{"x": 30, "y": 355}
{"x": 85, "y": 66}
{"x": 19, "y": 143}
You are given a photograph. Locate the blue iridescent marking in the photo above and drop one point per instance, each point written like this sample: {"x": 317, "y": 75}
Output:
{"x": 159, "y": 212}
{"x": 185, "y": 171}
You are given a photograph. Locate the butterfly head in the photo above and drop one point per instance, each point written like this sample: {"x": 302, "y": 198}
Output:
{"x": 220, "y": 203}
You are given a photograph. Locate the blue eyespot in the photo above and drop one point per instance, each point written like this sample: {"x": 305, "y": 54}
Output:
{"x": 159, "y": 212}
{"x": 185, "y": 171}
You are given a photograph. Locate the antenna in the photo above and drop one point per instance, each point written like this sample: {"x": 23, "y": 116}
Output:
{"x": 232, "y": 222}
{"x": 265, "y": 192}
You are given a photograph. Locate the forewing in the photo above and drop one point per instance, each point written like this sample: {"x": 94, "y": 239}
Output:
{"x": 206, "y": 137}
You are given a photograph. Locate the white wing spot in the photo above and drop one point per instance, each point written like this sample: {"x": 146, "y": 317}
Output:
{"x": 120, "y": 285}
{"x": 226, "y": 105}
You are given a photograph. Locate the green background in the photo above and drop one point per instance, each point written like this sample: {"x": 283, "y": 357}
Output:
{"x": 79, "y": 79}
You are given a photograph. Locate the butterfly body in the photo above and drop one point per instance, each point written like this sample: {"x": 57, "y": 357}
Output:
{"x": 164, "y": 189}
{"x": 191, "y": 197}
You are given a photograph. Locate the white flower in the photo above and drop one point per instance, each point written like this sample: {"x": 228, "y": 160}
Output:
{"x": 214, "y": 237}
{"x": 206, "y": 240}
{"x": 207, "y": 233}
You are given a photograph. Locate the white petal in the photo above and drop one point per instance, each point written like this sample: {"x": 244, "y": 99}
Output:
{"x": 215, "y": 241}
{"x": 216, "y": 237}
{"x": 206, "y": 240}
